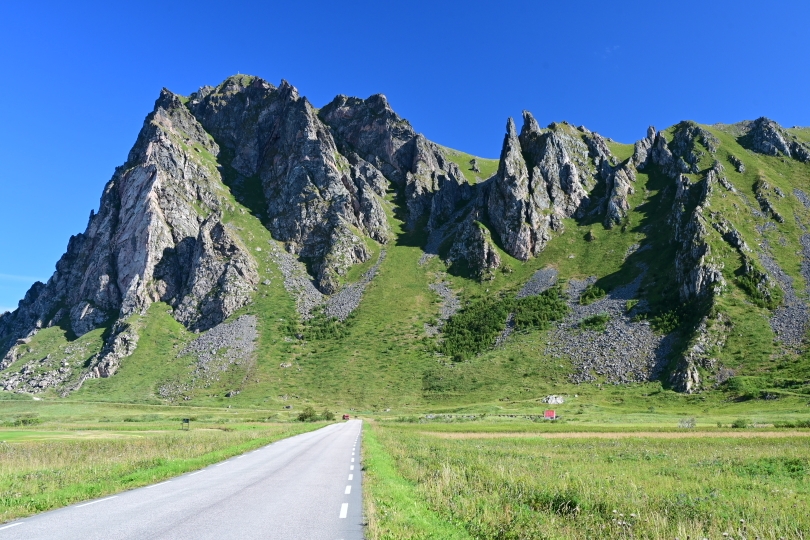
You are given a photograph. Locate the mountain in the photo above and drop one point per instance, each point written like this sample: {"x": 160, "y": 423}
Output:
{"x": 255, "y": 249}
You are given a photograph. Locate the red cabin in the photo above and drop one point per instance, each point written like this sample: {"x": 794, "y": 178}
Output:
{"x": 550, "y": 415}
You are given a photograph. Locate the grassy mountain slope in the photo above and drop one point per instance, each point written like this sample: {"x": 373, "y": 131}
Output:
{"x": 381, "y": 357}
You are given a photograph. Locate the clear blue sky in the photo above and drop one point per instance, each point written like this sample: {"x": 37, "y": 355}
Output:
{"x": 79, "y": 77}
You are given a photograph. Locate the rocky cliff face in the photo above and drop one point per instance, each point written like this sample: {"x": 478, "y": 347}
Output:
{"x": 323, "y": 178}
{"x": 374, "y": 137}
{"x": 316, "y": 201}
{"x": 767, "y": 137}
{"x": 157, "y": 236}
{"x": 547, "y": 175}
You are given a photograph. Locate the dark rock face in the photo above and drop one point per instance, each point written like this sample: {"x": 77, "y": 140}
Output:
{"x": 767, "y": 137}
{"x": 514, "y": 210}
{"x": 144, "y": 245}
{"x": 315, "y": 197}
{"x": 546, "y": 175}
{"x": 473, "y": 248}
{"x": 696, "y": 275}
{"x": 370, "y": 132}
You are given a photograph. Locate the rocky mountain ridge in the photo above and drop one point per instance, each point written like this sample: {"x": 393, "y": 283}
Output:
{"x": 326, "y": 182}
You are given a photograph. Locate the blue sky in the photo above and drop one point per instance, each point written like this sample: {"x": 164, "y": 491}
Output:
{"x": 78, "y": 78}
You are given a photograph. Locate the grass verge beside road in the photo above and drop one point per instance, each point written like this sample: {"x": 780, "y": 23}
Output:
{"x": 392, "y": 505}
{"x": 589, "y": 487}
{"x": 40, "y": 475}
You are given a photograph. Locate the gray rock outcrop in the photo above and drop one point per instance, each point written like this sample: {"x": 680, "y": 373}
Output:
{"x": 157, "y": 236}
{"x": 767, "y": 137}
{"x": 315, "y": 198}
{"x": 370, "y": 131}
{"x": 473, "y": 248}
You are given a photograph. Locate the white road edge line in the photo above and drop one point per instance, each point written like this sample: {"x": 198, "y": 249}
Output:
{"x": 348, "y": 490}
{"x": 156, "y": 485}
{"x": 344, "y": 509}
{"x": 98, "y": 501}
{"x": 12, "y": 525}
{"x": 198, "y": 472}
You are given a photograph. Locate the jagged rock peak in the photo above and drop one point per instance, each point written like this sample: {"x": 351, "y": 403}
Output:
{"x": 315, "y": 197}
{"x": 765, "y": 136}
{"x": 530, "y": 125}
{"x": 368, "y": 131}
{"x": 140, "y": 245}
{"x": 511, "y": 211}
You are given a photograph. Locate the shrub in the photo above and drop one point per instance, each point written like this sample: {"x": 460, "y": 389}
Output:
{"x": 760, "y": 290}
{"x": 793, "y": 425}
{"x": 323, "y": 327}
{"x": 327, "y": 415}
{"x": 665, "y": 322}
{"x": 474, "y": 329}
{"x": 739, "y": 423}
{"x": 591, "y": 294}
{"x": 26, "y": 421}
{"x": 307, "y": 415}
{"x": 597, "y": 322}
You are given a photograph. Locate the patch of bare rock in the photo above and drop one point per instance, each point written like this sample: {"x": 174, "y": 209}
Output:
{"x": 542, "y": 280}
{"x": 227, "y": 344}
{"x": 624, "y": 352}
{"x": 450, "y": 305}
{"x": 348, "y": 298}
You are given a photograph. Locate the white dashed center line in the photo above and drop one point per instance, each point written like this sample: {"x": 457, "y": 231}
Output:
{"x": 348, "y": 489}
{"x": 352, "y": 460}
{"x": 351, "y": 477}
{"x": 351, "y": 467}
{"x": 344, "y": 509}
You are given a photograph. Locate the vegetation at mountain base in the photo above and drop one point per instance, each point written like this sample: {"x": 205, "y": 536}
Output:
{"x": 474, "y": 329}
{"x": 421, "y": 334}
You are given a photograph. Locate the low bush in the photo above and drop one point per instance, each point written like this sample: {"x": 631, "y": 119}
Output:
{"x": 761, "y": 291}
{"x": 591, "y": 294}
{"x": 597, "y": 323}
{"x": 792, "y": 425}
{"x": 665, "y": 322}
{"x": 307, "y": 415}
{"x": 739, "y": 423}
{"x": 474, "y": 329}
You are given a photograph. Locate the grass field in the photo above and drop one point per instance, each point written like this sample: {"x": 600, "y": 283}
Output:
{"x": 54, "y": 454}
{"x": 490, "y": 485}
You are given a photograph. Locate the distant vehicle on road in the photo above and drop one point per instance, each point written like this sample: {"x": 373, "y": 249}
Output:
{"x": 345, "y": 416}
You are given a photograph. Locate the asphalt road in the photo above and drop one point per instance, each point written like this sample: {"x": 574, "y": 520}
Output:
{"x": 305, "y": 487}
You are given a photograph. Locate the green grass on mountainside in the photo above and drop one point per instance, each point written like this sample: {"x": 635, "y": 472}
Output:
{"x": 382, "y": 358}
{"x": 487, "y": 167}
{"x": 645, "y": 487}
{"x": 154, "y": 360}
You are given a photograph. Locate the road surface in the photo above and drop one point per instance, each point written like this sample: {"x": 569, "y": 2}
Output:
{"x": 305, "y": 487}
